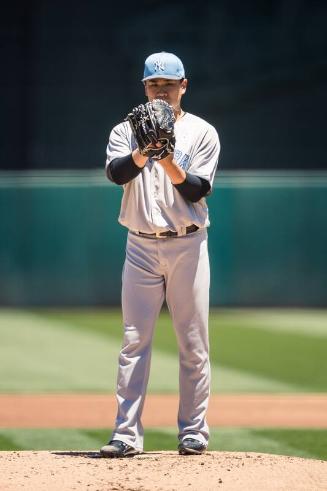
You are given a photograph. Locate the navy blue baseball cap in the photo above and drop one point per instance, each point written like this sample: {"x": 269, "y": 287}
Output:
{"x": 163, "y": 65}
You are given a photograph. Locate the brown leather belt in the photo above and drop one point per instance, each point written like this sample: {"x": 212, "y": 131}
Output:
{"x": 169, "y": 233}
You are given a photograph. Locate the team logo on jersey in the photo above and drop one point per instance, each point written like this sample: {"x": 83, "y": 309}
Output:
{"x": 159, "y": 65}
{"x": 182, "y": 159}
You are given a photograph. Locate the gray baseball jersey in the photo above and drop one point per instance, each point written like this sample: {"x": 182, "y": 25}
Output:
{"x": 171, "y": 268}
{"x": 150, "y": 202}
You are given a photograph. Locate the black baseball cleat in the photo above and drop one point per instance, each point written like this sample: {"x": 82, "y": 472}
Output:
{"x": 191, "y": 446}
{"x": 118, "y": 449}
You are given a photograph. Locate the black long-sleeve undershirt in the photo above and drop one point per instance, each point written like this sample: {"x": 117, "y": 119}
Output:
{"x": 193, "y": 188}
{"x": 123, "y": 169}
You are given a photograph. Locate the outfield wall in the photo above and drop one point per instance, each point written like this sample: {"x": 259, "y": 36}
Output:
{"x": 61, "y": 244}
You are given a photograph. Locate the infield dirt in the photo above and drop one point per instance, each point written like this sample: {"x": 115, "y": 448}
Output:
{"x": 99, "y": 411}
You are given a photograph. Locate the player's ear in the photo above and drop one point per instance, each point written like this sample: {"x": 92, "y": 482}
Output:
{"x": 184, "y": 83}
{"x": 145, "y": 89}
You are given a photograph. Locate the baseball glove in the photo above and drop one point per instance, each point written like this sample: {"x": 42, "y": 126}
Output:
{"x": 153, "y": 123}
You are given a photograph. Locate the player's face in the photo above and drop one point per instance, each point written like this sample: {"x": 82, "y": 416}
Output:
{"x": 170, "y": 91}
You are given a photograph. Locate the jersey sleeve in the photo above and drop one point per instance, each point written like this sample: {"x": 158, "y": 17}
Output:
{"x": 119, "y": 144}
{"x": 205, "y": 160}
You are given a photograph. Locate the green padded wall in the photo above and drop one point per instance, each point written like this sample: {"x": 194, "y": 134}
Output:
{"x": 61, "y": 244}
{"x": 268, "y": 240}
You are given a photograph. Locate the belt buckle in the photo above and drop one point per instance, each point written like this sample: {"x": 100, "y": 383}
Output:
{"x": 182, "y": 231}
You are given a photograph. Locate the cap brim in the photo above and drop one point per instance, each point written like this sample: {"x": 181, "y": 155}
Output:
{"x": 168, "y": 77}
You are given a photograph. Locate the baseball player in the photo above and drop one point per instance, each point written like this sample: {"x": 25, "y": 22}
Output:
{"x": 165, "y": 181}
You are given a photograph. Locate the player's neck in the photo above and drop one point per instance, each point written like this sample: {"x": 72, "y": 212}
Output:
{"x": 179, "y": 113}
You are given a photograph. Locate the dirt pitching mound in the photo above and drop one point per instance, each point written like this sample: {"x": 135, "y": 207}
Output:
{"x": 154, "y": 471}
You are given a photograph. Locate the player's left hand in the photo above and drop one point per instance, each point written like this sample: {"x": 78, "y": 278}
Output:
{"x": 153, "y": 128}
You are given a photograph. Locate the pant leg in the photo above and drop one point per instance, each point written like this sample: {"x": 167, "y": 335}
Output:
{"x": 142, "y": 297}
{"x": 187, "y": 297}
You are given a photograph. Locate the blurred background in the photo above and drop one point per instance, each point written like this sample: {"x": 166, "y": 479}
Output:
{"x": 71, "y": 71}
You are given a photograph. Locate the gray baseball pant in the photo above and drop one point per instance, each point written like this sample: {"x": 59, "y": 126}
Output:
{"x": 177, "y": 269}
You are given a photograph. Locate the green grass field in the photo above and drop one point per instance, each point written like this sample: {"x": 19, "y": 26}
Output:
{"x": 269, "y": 351}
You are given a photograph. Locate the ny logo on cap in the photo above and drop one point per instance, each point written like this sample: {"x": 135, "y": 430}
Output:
{"x": 159, "y": 65}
